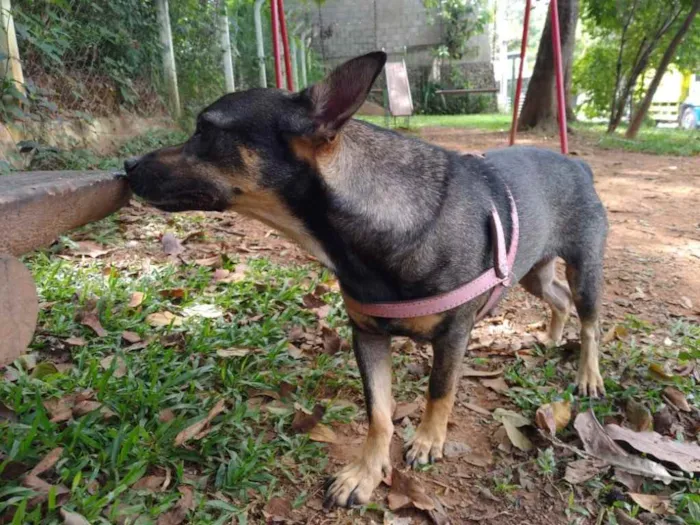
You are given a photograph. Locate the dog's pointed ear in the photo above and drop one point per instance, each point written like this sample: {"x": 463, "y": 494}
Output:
{"x": 338, "y": 96}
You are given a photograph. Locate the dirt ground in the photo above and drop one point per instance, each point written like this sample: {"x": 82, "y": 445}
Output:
{"x": 652, "y": 271}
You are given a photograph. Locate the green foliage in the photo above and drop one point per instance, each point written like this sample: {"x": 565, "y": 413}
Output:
{"x": 635, "y": 32}
{"x": 460, "y": 21}
{"x": 594, "y": 77}
{"x": 94, "y": 56}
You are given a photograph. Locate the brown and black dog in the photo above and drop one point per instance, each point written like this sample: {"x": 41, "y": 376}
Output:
{"x": 396, "y": 219}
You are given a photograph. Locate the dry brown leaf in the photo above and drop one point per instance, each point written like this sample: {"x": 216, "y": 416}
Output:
{"x": 631, "y": 481}
{"x": 676, "y": 398}
{"x": 517, "y": 420}
{"x": 553, "y": 417}
{"x": 177, "y": 515}
{"x": 516, "y": 437}
{"x": 311, "y": 302}
{"x": 59, "y": 409}
{"x": 277, "y": 510}
{"x": 73, "y": 518}
{"x": 131, "y": 337}
{"x": 659, "y": 373}
{"x": 294, "y": 352}
{"x": 136, "y": 299}
{"x": 331, "y": 340}
{"x": 478, "y": 460}
{"x": 149, "y": 483}
{"x": 582, "y": 470}
{"x": 469, "y": 372}
{"x": 233, "y": 352}
{"x": 685, "y": 455}
{"x": 209, "y": 261}
{"x": 75, "y": 341}
{"x": 652, "y": 503}
{"x": 686, "y": 302}
{"x": 407, "y": 491}
{"x": 171, "y": 244}
{"x": 195, "y": 429}
{"x": 323, "y": 434}
{"x": 477, "y": 409}
{"x": 85, "y": 407}
{"x": 455, "y": 449}
{"x": 638, "y": 416}
{"x": 497, "y": 385}
{"x": 120, "y": 369}
{"x": 166, "y": 415}
{"x": 89, "y": 248}
{"x": 303, "y": 423}
{"x": 165, "y": 318}
{"x": 173, "y": 293}
{"x": 598, "y": 443}
{"x": 663, "y": 420}
{"x": 403, "y": 410}
{"x": 90, "y": 320}
{"x": 47, "y": 463}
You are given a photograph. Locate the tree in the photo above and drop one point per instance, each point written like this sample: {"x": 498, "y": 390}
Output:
{"x": 540, "y": 108}
{"x": 642, "y": 109}
{"x": 637, "y": 30}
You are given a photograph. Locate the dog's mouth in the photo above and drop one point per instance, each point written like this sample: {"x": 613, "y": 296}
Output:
{"x": 173, "y": 194}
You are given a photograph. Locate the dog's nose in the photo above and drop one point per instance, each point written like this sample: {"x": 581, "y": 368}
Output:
{"x": 131, "y": 163}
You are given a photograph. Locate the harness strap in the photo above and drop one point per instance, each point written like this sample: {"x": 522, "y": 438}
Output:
{"x": 497, "y": 279}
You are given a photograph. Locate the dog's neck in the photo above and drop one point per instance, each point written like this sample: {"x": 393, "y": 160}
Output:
{"x": 368, "y": 204}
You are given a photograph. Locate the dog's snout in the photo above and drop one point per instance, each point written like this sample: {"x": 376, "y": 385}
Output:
{"x": 131, "y": 163}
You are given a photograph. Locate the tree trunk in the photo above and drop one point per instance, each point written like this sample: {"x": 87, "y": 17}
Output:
{"x": 643, "y": 108}
{"x": 540, "y": 108}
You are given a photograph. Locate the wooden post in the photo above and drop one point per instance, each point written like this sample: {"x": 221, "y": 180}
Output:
{"x": 226, "y": 54}
{"x": 166, "y": 40}
{"x": 259, "y": 42}
{"x": 19, "y": 309}
{"x": 8, "y": 46}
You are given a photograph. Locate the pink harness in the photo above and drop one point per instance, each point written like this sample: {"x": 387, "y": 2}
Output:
{"x": 496, "y": 279}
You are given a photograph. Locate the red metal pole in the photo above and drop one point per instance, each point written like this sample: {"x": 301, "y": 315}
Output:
{"x": 519, "y": 86}
{"x": 285, "y": 45}
{"x": 275, "y": 42}
{"x": 559, "y": 72}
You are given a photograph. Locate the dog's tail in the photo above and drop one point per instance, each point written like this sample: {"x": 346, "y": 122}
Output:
{"x": 585, "y": 166}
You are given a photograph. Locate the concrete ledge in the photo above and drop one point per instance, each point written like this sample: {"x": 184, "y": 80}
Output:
{"x": 36, "y": 207}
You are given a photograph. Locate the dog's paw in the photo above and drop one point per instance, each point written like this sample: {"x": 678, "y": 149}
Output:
{"x": 354, "y": 484}
{"x": 425, "y": 446}
{"x": 589, "y": 381}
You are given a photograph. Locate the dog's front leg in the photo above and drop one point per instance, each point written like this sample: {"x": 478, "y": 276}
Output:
{"x": 448, "y": 352}
{"x": 356, "y": 482}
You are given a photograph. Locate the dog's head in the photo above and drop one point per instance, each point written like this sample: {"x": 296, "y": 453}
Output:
{"x": 249, "y": 146}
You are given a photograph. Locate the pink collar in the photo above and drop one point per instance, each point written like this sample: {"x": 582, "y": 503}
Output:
{"x": 496, "y": 279}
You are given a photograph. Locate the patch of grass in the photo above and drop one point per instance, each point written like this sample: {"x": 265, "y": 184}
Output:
{"x": 628, "y": 365}
{"x": 49, "y": 158}
{"x": 485, "y": 121}
{"x": 658, "y": 141}
{"x": 249, "y": 450}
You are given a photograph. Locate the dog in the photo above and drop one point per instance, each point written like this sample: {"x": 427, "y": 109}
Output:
{"x": 396, "y": 219}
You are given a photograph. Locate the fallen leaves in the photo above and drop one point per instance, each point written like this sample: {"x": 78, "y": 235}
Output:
{"x": 277, "y": 510}
{"x": 120, "y": 368}
{"x": 553, "y": 417}
{"x": 470, "y": 372}
{"x": 74, "y": 406}
{"x": 164, "y": 318}
{"x": 638, "y": 416}
{"x": 303, "y": 422}
{"x": 151, "y": 484}
{"x": 178, "y": 514}
{"x": 512, "y": 421}
{"x": 206, "y": 311}
{"x": 233, "y": 352}
{"x": 652, "y": 503}
{"x": 136, "y": 299}
{"x": 131, "y": 337}
{"x": 685, "y": 455}
{"x": 171, "y": 244}
{"x": 90, "y": 319}
{"x": 403, "y": 410}
{"x": 582, "y": 470}
{"x": 198, "y": 430}
{"x": 73, "y": 518}
{"x": 676, "y": 398}
{"x": 497, "y": 385}
{"x": 47, "y": 463}
{"x": 75, "y": 341}
{"x": 90, "y": 249}
{"x": 407, "y": 491}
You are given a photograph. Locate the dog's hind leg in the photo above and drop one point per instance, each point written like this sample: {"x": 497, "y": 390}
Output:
{"x": 356, "y": 482}
{"x": 584, "y": 271}
{"x": 542, "y": 282}
{"x": 448, "y": 353}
